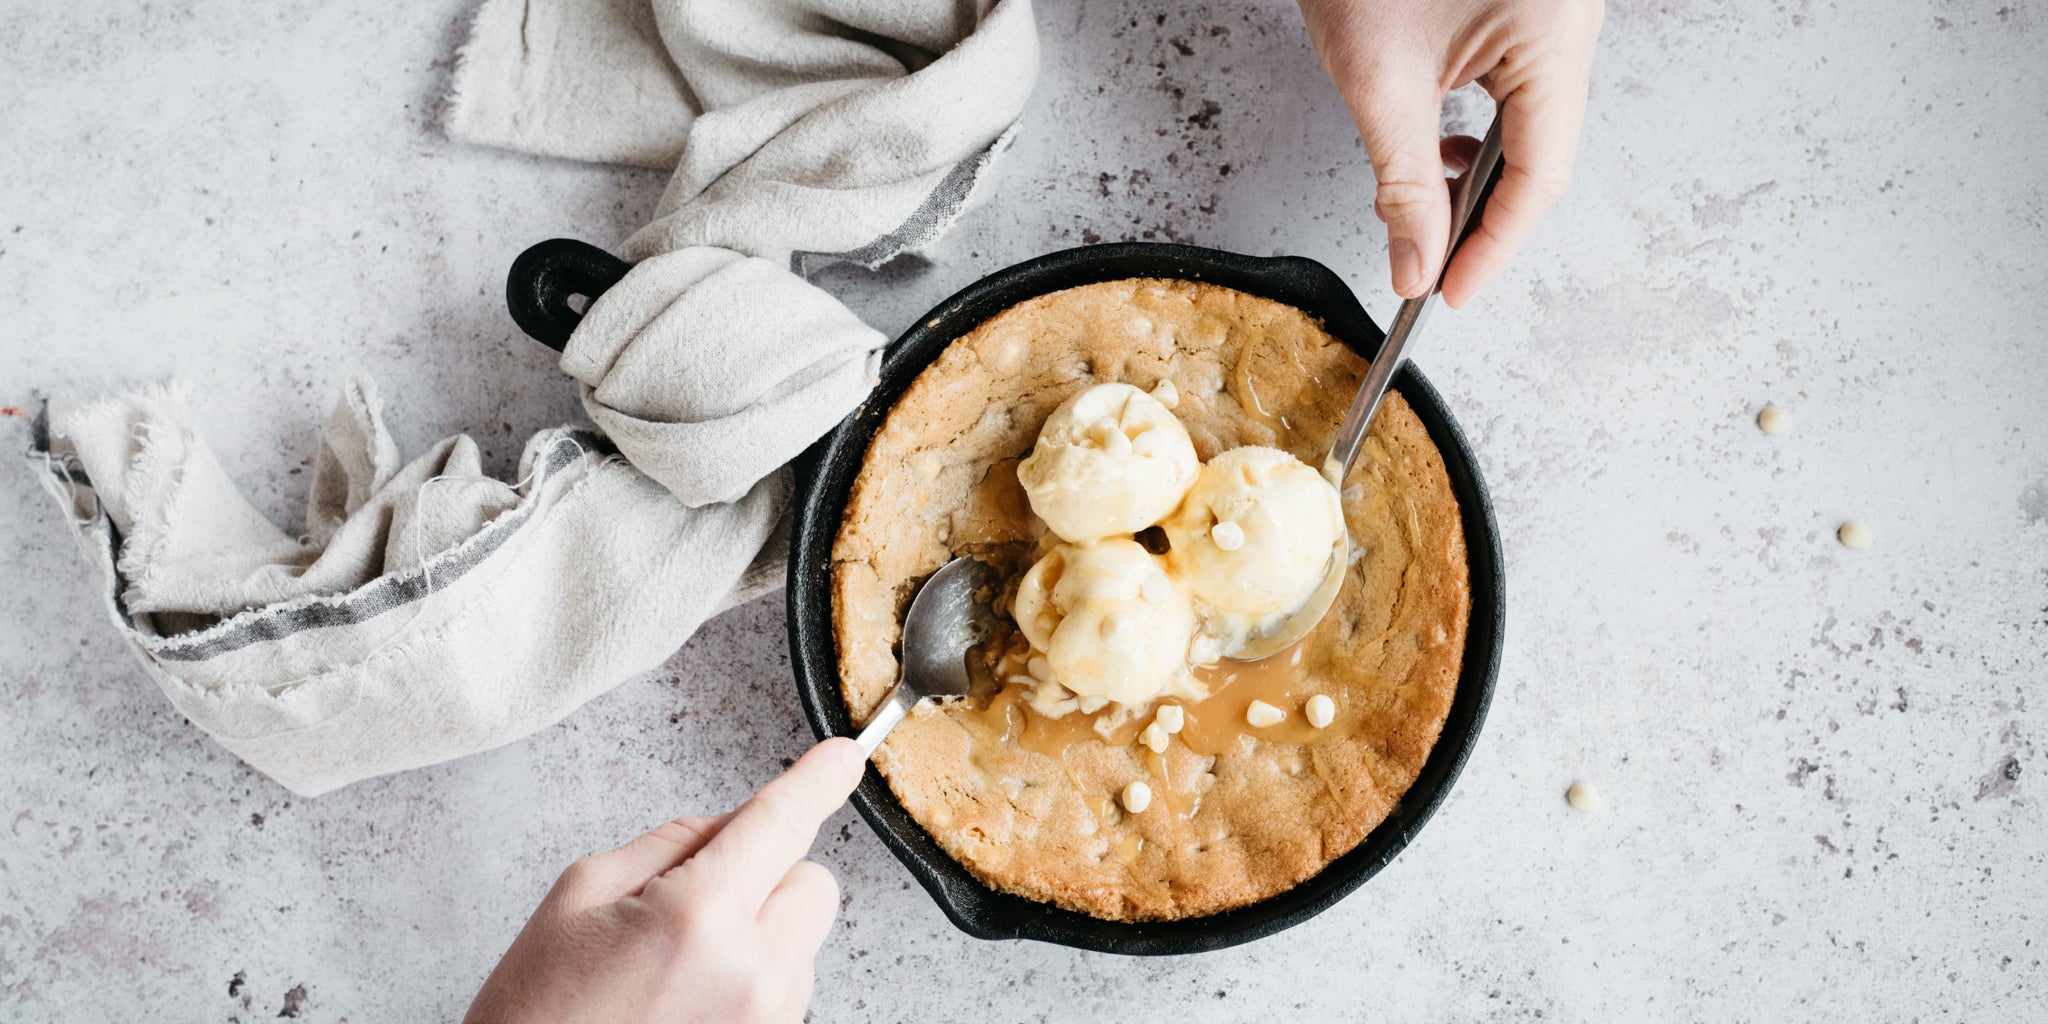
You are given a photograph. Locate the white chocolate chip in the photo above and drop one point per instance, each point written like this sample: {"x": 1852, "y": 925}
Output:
{"x": 1583, "y": 796}
{"x": 1156, "y": 588}
{"x": 1227, "y": 536}
{"x": 1137, "y": 797}
{"x": 1167, "y": 394}
{"x": 1773, "y": 420}
{"x": 1150, "y": 443}
{"x": 1321, "y": 711}
{"x": 1153, "y": 738}
{"x": 1170, "y": 717}
{"x": 1854, "y": 535}
{"x": 1090, "y": 703}
{"x": 927, "y": 465}
{"x": 1261, "y": 714}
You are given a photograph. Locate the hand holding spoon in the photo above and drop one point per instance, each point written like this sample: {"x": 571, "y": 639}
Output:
{"x": 1468, "y": 199}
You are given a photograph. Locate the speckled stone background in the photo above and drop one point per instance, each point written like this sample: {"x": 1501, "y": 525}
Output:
{"x": 1824, "y": 769}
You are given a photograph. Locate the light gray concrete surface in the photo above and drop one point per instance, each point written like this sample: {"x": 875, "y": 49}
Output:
{"x": 1824, "y": 769}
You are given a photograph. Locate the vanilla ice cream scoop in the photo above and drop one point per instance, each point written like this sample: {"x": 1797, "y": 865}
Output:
{"x": 1111, "y": 622}
{"x": 1110, "y": 460}
{"x": 1256, "y": 533}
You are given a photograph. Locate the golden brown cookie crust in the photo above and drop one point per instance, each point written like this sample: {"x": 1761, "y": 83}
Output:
{"x": 939, "y": 480}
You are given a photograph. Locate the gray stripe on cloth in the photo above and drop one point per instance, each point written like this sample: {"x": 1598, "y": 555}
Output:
{"x": 923, "y": 226}
{"x": 381, "y": 595}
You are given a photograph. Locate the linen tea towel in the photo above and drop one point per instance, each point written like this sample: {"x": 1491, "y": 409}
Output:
{"x": 430, "y": 611}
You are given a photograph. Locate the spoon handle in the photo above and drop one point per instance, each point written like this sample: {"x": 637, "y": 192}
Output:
{"x": 893, "y": 710}
{"x": 1467, "y": 200}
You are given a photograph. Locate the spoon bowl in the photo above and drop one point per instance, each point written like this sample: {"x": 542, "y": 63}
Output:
{"x": 1300, "y": 622}
{"x": 949, "y": 615}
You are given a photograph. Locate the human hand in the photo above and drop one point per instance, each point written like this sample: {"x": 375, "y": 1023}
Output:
{"x": 702, "y": 919}
{"x": 1395, "y": 60}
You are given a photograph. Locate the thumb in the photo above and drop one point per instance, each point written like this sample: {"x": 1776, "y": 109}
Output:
{"x": 1397, "y": 116}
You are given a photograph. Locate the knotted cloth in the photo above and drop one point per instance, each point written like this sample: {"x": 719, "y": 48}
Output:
{"x": 430, "y": 611}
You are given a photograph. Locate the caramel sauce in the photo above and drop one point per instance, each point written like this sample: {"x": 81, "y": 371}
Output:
{"x": 1215, "y": 722}
{"x": 1266, "y": 409}
{"x": 1182, "y": 796}
{"x": 1005, "y": 717}
{"x": 1315, "y": 759}
{"x": 999, "y": 714}
{"x": 1248, "y": 396}
{"x": 1127, "y": 849}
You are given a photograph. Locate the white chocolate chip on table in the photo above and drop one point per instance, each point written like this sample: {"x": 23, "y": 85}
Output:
{"x": 1583, "y": 796}
{"x": 1854, "y": 535}
{"x": 1774, "y": 420}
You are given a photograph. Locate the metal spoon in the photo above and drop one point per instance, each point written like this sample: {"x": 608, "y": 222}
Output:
{"x": 1468, "y": 198}
{"x": 949, "y": 615}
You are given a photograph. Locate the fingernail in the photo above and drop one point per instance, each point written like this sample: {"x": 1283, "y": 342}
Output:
{"x": 852, "y": 758}
{"x": 1406, "y": 261}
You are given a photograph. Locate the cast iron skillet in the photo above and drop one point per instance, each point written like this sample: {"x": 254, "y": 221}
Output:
{"x": 544, "y": 278}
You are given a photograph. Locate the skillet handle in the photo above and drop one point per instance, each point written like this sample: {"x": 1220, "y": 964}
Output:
{"x": 547, "y": 275}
